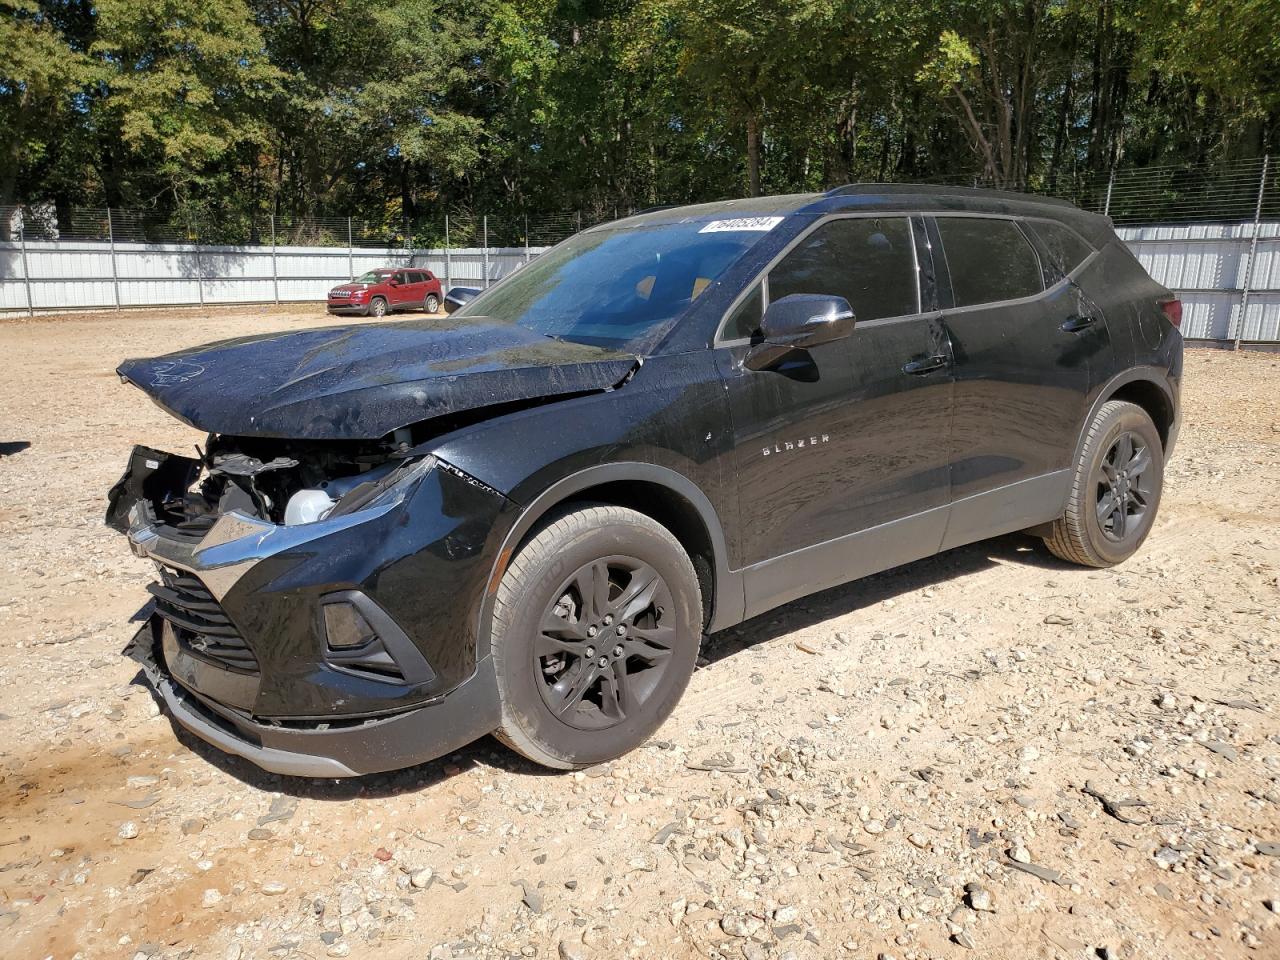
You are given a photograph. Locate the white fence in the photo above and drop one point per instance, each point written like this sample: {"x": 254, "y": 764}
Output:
{"x": 53, "y": 275}
{"x": 1228, "y": 275}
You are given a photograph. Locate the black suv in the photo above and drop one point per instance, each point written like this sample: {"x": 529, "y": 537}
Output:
{"x": 522, "y": 518}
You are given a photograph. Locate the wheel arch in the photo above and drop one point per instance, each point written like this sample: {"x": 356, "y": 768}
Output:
{"x": 1144, "y": 387}
{"x": 1152, "y": 398}
{"x": 658, "y": 492}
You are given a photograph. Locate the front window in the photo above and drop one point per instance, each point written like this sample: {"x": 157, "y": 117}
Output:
{"x": 870, "y": 261}
{"x": 616, "y": 287}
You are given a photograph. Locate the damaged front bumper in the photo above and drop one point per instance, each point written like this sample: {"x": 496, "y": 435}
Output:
{"x": 371, "y": 745}
{"x": 241, "y": 646}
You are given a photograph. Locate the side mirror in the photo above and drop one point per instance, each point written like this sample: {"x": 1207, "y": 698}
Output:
{"x": 800, "y": 321}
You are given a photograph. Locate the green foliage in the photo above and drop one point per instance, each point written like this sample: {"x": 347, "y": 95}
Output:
{"x": 213, "y": 113}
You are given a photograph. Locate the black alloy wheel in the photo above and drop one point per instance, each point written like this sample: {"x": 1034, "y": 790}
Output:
{"x": 603, "y": 643}
{"x": 1123, "y": 482}
{"x": 1115, "y": 488}
{"x": 594, "y": 634}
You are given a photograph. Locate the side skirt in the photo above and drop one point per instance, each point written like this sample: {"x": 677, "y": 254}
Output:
{"x": 772, "y": 583}
{"x": 1006, "y": 509}
{"x": 1015, "y": 506}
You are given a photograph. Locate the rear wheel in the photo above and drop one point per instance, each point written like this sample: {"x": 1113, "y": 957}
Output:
{"x": 431, "y": 304}
{"x": 1115, "y": 490}
{"x": 378, "y": 307}
{"x": 596, "y": 628}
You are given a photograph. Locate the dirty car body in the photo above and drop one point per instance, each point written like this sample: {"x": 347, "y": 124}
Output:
{"x": 328, "y": 563}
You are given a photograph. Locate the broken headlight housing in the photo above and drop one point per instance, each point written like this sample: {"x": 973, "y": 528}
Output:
{"x": 381, "y": 486}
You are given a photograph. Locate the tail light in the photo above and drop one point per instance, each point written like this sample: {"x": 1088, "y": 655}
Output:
{"x": 1173, "y": 310}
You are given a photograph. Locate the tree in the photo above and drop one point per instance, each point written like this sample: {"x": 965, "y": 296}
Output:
{"x": 42, "y": 78}
{"x": 186, "y": 82}
{"x": 990, "y": 64}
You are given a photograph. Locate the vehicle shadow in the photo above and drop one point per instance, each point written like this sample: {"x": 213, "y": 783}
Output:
{"x": 800, "y": 614}
{"x": 9, "y": 447}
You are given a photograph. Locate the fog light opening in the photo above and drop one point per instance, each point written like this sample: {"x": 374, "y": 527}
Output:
{"x": 345, "y": 627}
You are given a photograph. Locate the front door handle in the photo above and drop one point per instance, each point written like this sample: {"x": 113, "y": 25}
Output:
{"x": 926, "y": 365}
{"x": 1081, "y": 321}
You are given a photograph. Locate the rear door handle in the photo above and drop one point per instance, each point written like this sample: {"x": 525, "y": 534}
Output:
{"x": 926, "y": 365}
{"x": 1081, "y": 321}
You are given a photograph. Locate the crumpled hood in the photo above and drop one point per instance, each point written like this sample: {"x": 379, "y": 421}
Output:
{"x": 360, "y": 382}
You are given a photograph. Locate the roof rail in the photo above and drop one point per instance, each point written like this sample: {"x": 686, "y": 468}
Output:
{"x": 942, "y": 190}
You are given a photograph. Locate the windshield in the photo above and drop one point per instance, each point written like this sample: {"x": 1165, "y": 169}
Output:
{"x": 614, "y": 287}
{"x": 373, "y": 276}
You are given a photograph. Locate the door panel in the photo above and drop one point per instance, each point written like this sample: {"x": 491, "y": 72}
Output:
{"x": 402, "y": 292}
{"x": 1021, "y": 380}
{"x": 789, "y": 425}
{"x": 841, "y": 439}
{"x": 872, "y": 491}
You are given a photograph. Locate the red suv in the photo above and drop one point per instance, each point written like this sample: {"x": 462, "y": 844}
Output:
{"x": 379, "y": 292}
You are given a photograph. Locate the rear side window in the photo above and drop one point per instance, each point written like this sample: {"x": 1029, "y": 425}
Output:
{"x": 989, "y": 260}
{"x": 1065, "y": 247}
{"x": 868, "y": 261}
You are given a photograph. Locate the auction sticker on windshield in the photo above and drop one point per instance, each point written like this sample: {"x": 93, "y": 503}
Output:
{"x": 741, "y": 223}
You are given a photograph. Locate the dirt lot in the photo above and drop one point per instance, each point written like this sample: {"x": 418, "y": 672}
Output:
{"x": 989, "y": 753}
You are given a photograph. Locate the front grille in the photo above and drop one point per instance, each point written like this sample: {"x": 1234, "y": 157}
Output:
{"x": 199, "y": 622}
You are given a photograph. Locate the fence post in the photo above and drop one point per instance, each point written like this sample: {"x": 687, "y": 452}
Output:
{"x": 26, "y": 265}
{"x": 526, "y": 238}
{"x": 448, "y": 263}
{"x": 1253, "y": 253}
{"x": 579, "y": 215}
{"x": 199, "y": 268}
{"x": 485, "y": 254}
{"x": 275, "y": 273}
{"x": 351, "y": 252}
{"x": 115, "y": 274}
{"x": 1111, "y": 182}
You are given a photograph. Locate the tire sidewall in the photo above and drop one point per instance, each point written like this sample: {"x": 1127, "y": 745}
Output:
{"x": 373, "y": 307}
{"x": 1131, "y": 419}
{"x": 517, "y": 676}
{"x": 431, "y": 304}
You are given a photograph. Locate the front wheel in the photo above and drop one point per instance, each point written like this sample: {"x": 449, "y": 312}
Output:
{"x": 431, "y": 304}
{"x": 378, "y": 308}
{"x": 596, "y": 628}
{"x": 1115, "y": 489}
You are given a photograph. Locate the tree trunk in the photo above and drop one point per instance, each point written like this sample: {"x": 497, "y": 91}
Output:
{"x": 1100, "y": 88}
{"x": 407, "y": 211}
{"x": 1064, "y": 118}
{"x": 753, "y": 155}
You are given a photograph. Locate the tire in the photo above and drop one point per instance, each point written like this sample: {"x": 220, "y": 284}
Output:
{"x": 569, "y": 698}
{"x": 377, "y": 307}
{"x": 1115, "y": 489}
{"x": 431, "y": 304}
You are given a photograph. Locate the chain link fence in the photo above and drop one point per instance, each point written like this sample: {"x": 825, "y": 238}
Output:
{"x": 1210, "y": 232}
{"x": 49, "y": 222}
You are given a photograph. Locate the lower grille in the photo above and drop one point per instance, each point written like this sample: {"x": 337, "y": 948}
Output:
{"x": 199, "y": 622}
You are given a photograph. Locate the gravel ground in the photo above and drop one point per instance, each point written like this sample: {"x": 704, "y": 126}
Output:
{"x": 988, "y": 753}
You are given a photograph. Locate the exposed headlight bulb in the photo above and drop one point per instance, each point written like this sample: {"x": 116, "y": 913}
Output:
{"x": 307, "y": 506}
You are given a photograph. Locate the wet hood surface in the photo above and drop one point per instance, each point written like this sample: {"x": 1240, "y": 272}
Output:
{"x": 363, "y": 381}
